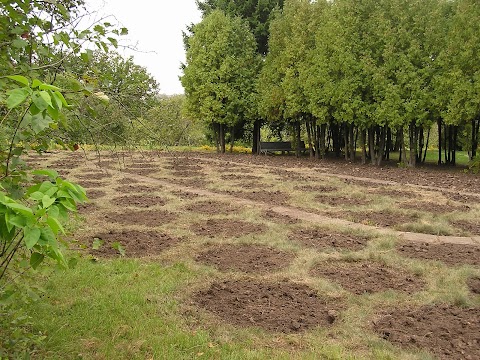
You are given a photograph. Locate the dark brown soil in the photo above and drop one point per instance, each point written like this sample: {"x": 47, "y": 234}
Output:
{"x": 447, "y": 331}
{"x": 143, "y": 165}
{"x": 318, "y": 188}
{"x": 226, "y": 228}
{"x": 150, "y": 218}
{"x": 136, "y": 243}
{"x": 94, "y": 176}
{"x": 137, "y": 188}
{"x": 432, "y": 207}
{"x": 127, "y": 181}
{"x": 95, "y": 194}
{"x": 451, "y": 254}
{"x": 212, "y": 207}
{"x": 249, "y": 185}
{"x": 385, "y": 191}
{"x": 268, "y": 197}
{"x": 142, "y": 201}
{"x": 192, "y": 182}
{"x": 87, "y": 207}
{"x": 279, "y": 218}
{"x": 67, "y": 164}
{"x": 383, "y": 219}
{"x": 91, "y": 184}
{"x": 185, "y": 195}
{"x": 285, "y": 307}
{"x": 368, "y": 277}
{"x": 338, "y": 200}
{"x": 468, "y": 199}
{"x": 474, "y": 285}
{"x": 470, "y": 227}
{"x": 363, "y": 183}
{"x": 246, "y": 258}
{"x": 240, "y": 177}
{"x": 184, "y": 167}
{"x": 234, "y": 169}
{"x": 185, "y": 174}
{"x": 321, "y": 239}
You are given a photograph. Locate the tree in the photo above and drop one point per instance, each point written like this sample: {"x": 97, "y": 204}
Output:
{"x": 219, "y": 77}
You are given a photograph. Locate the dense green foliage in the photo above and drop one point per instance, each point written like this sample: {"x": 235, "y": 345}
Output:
{"x": 375, "y": 75}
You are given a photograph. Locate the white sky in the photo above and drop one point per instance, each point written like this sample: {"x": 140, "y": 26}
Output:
{"x": 156, "y": 27}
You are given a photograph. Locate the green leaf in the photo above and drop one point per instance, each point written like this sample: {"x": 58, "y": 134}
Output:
{"x": 124, "y": 31}
{"x": 17, "y": 96}
{"x": 36, "y": 83}
{"x": 113, "y": 41}
{"x": 19, "y": 43}
{"x": 59, "y": 95}
{"x": 39, "y": 101}
{"x": 31, "y": 236}
{"x": 47, "y": 201}
{"x": 36, "y": 259}
{"x": 97, "y": 243}
{"x": 18, "y": 221}
{"x": 19, "y": 208}
{"x": 40, "y": 123}
{"x": 55, "y": 225}
{"x": 44, "y": 86}
{"x": 119, "y": 248}
{"x": 19, "y": 78}
{"x": 50, "y": 173}
{"x": 37, "y": 195}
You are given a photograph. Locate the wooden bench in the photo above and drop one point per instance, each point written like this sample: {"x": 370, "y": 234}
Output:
{"x": 283, "y": 146}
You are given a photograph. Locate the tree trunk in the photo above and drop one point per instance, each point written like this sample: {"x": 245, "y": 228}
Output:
{"x": 421, "y": 143}
{"x": 363, "y": 139}
{"x": 371, "y": 144}
{"x": 308, "y": 124}
{"x": 381, "y": 146}
{"x": 297, "y": 128}
{"x": 426, "y": 146}
{"x": 256, "y": 137}
{"x": 475, "y": 128}
{"x": 352, "y": 142}
{"x": 454, "y": 144}
{"x": 323, "y": 130}
{"x": 216, "y": 131}
{"x": 413, "y": 144}
{"x": 403, "y": 147}
{"x": 389, "y": 143}
{"x": 232, "y": 138}
{"x": 222, "y": 139}
{"x": 439, "y": 125}
{"x": 346, "y": 146}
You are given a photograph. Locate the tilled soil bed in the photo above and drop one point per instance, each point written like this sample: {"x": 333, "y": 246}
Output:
{"x": 434, "y": 208}
{"x": 98, "y": 175}
{"x": 322, "y": 239}
{"x": 451, "y": 254}
{"x": 91, "y": 184}
{"x": 474, "y": 285}
{"x": 378, "y": 218}
{"x": 141, "y": 171}
{"x": 95, "y": 194}
{"x": 135, "y": 188}
{"x": 468, "y": 226}
{"x": 368, "y": 277}
{"x": 247, "y": 258}
{"x": 226, "y": 228}
{"x": 127, "y": 181}
{"x": 143, "y": 217}
{"x": 339, "y": 200}
{"x": 212, "y": 207}
{"x": 136, "y": 243}
{"x": 271, "y": 215}
{"x": 141, "y": 201}
{"x": 316, "y": 188}
{"x": 447, "y": 331}
{"x": 265, "y": 196}
{"x": 284, "y": 306}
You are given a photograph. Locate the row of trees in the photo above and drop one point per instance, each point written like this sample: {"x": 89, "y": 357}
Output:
{"x": 376, "y": 75}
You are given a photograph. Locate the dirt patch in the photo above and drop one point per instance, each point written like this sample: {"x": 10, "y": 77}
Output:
{"x": 127, "y": 181}
{"x": 192, "y": 182}
{"x": 384, "y": 191}
{"x": 363, "y": 183}
{"x": 432, "y": 207}
{"x": 271, "y": 215}
{"x": 249, "y": 185}
{"x": 246, "y": 258}
{"x": 447, "y": 331}
{"x": 463, "y": 198}
{"x": 377, "y": 218}
{"x": 368, "y": 277}
{"x": 184, "y": 167}
{"x": 319, "y": 188}
{"x": 142, "y": 201}
{"x": 339, "y": 200}
{"x": 226, "y": 227}
{"x": 212, "y": 207}
{"x": 91, "y": 184}
{"x": 86, "y": 208}
{"x": 94, "y": 176}
{"x": 136, "y": 243}
{"x": 268, "y": 197}
{"x": 67, "y": 164}
{"x": 451, "y": 254}
{"x": 470, "y": 227}
{"x": 185, "y": 195}
{"x": 285, "y": 306}
{"x": 137, "y": 188}
{"x": 95, "y": 194}
{"x": 322, "y": 239}
{"x": 185, "y": 174}
{"x": 145, "y": 217}
{"x": 474, "y": 285}
{"x": 143, "y": 165}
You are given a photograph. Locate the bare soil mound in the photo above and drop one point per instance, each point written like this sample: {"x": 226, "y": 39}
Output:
{"x": 377, "y": 218}
{"x": 143, "y": 165}
{"x": 395, "y": 193}
{"x": 142, "y": 201}
{"x": 474, "y": 285}
{"x": 98, "y": 175}
{"x": 432, "y": 207}
{"x": 317, "y": 188}
{"x": 195, "y": 182}
{"x": 239, "y": 177}
{"x": 136, "y": 243}
{"x": 470, "y": 227}
{"x": 127, "y": 181}
{"x": 65, "y": 164}
{"x": 363, "y": 183}
{"x": 226, "y": 228}
{"x": 186, "y": 174}
{"x": 87, "y": 207}
{"x": 338, "y": 200}
{"x": 451, "y": 254}
{"x": 212, "y": 207}
{"x": 91, "y": 184}
{"x": 146, "y": 217}
{"x": 141, "y": 171}
{"x": 463, "y": 198}
{"x": 285, "y": 306}
{"x": 447, "y": 331}
{"x": 268, "y": 197}
{"x": 322, "y": 239}
{"x": 184, "y": 167}
{"x": 246, "y": 258}
{"x": 279, "y": 218}
{"x": 368, "y": 277}
{"x": 185, "y": 195}
{"x": 95, "y": 194}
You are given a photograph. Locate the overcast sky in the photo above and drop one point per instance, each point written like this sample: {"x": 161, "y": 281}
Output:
{"x": 156, "y": 27}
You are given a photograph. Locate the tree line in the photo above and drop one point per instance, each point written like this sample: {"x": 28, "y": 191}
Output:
{"x": 374, "y": 75}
